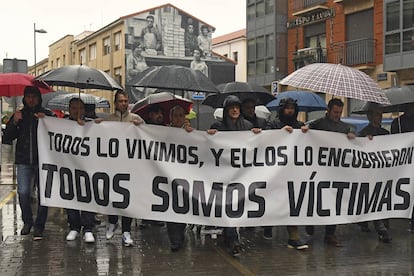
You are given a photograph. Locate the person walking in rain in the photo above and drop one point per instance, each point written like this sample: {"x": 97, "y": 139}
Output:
{"x": 23, "y": 127}
{"x": 374, "y": 128}
{"x": 331, "y": 122}
{"x": 232, "y": 120}
{"x": 287, "y": 119}
{"x": 176, "y": 231}
{"x": 78, "y": 218}
{"x": 121, "y": 114}
{"x": 248, "y": 110}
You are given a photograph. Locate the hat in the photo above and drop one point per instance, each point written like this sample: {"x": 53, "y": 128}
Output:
{"x": 288, "y": 101}
{"x": 230, "y": 100}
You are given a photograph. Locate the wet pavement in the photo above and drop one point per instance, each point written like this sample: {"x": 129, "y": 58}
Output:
{"x": 362, "y": 253}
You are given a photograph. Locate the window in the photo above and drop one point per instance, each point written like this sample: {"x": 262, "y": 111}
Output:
{"x": 392, "y": 43}
{"x": 260, "y": 67}
{"x": 269, "y": 6}
{"x": 58, "y": 63}
{"x": 251, "y": 49}
{"x": 82, "y": 56}
{"x": 269, "y": 45}
{"x": 260, "y": 9}
{"x": 117, "y": 41}
{"x": 270, "y": 67}
{"x": 393, "y": 16}
{"x": 118, "y": 75}
{"x": 64, "y": 60}
{"x": 251, "y": 69}
{"x": 106, "y": 46}
{"x": 408, "y": 41}
{"x": 260, "y": 47}
{"x": 92, "y": 51}
{"x": 408, "y": 14}
{"x": 250, "y": 11}
{"x": 236, "y": 56}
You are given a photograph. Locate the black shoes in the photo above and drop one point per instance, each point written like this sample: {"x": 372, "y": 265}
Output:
{"x": 267, "y": 232}
{"x": 297, "y": 244}
{"x": 384, "y": 236}
{"x": 38, "y": 234}
{"x": 236, "y": 250}
{"x": 26, "y": 229}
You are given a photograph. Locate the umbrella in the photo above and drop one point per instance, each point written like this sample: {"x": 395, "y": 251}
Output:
{"x": 399, "y": 97}
{"x": 13, "y": 84}
{"x": 338, "y": 80}
{"x": 174, "y": 77}
{"x": 79, "y": 76}
{"x": 243, "y": 90}
{"x": 61, "y": 102}
{"x": 47, "y": 97}
{"x": 307, "y": 101}
{"x": 260, "y": 110}
{"x": 165, "y": 100}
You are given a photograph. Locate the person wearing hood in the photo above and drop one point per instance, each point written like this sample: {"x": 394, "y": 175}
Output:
{"x": 287, "y": 119}
{"x": 232, "y": 121}
{"x": 121, "y": 114}
{"x": 22, "y": 126}
{"x": 247, "y": 108}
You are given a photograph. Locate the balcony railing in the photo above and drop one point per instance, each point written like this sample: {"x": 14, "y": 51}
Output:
{"x": 305, "y": 4}
{"x": 355, "y": 52}
{"x": 303, "y": 57}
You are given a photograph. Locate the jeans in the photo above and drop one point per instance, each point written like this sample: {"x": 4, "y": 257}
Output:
{"x": 27, "y": 175}
{"x": 126, "y": 222}
{"x": 176, "y": 233}
{"x": 231, "y": 237}
{"x": 79, "y": 218}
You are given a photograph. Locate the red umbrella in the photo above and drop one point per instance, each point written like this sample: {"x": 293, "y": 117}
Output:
{"x": 13, "y": 84}
{"x": 165, "y": 100}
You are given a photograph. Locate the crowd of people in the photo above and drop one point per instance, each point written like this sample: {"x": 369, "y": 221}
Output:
{"x": 237, "y": 116}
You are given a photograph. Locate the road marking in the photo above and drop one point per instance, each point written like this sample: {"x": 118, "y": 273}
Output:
{"x": 231, "y": 260}
{"x": 8, "y": 197}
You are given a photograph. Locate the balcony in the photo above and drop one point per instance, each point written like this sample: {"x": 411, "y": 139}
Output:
{"x": 305, "y": 56}
{"x": 301, "y": 7}
{"x": 360, "y": 52}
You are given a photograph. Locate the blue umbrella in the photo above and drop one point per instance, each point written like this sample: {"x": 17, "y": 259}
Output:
{"x": 307, "y": 101}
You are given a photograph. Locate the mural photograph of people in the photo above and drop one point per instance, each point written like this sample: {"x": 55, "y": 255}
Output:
{"x": 198, "y": 64}
{"x": 190, "y": 38}
{"x": 151, "y": 37}
{"x": 204, "y": 41}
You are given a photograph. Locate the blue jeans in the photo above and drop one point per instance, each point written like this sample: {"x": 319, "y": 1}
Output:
{"x": 27, "y": 175}
{"x": 78, "y": 218}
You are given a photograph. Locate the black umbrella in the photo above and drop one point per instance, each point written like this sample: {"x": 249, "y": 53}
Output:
{"x": 79, "y": 76}
{"x": 61, "y": 102}
{"x": 173, "y": 77}
{"x": 399, "y": 97}
{"x": 243, "y": 90}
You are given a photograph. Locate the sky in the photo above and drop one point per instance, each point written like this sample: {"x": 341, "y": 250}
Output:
{"x": 59, "y": 18}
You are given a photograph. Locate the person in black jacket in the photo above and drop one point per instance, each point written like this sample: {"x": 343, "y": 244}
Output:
{"x": 287, "y": 119}
{"x": 248, "y": 110}
{"x": 23, "y": 127}
{"x": 374, "y": 128}
{"x": 232, "y": 120}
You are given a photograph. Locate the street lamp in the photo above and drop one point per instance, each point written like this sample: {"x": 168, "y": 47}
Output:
{"x": 41, "y": 31}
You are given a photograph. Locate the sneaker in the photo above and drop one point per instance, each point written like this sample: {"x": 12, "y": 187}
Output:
{"x": 332, "y": 240}
{"x": 384, "y": 237}
{"x": 38, "y": 234}
{"x": 236, "y": 250}
{"x": 297, "y": 244}
{"x": 110, "y": 230}
{"x": 26, "y": 229}
{"x": 267, "y": 233}
{"x": 126, "y": 239}
{"x": 72, "y": 235}
{"x": 88, "y": 237}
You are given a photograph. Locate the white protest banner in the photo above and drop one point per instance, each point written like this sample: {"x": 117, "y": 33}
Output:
{"x": 225, "y": 179}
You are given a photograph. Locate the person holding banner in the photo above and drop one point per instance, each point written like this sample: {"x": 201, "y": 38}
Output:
{"x": 176, "y": 230}
{"x": 332, "y": 122}
{"x": 287, "y": 119}
{"x": 232, "y": 120}
{"x": 78, "y": 218}
{"x": 23, "y": 127}
{"x": 121, "y": 114}
{"x": 247, "y": 109}
{"x": 374, "y": 115}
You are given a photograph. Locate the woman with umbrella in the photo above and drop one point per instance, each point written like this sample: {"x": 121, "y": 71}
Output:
{"x": 232, "y": 120}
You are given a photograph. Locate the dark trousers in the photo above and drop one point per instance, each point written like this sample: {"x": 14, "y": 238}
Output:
{"x": 329, "y": 230}
{"x": 77, "y": 219}
{"x": 26, "y": 176}
{"x": 176, "y": 232}
{"x": 126, "y": 222}
{"x": 231, "y": 237}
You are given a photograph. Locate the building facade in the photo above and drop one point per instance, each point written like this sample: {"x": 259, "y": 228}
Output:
{"x": 399, "y": 40}
{"x": 165, "y": 35}
{"x": 266, "y": 36}
{"x": 233, "y": 46}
